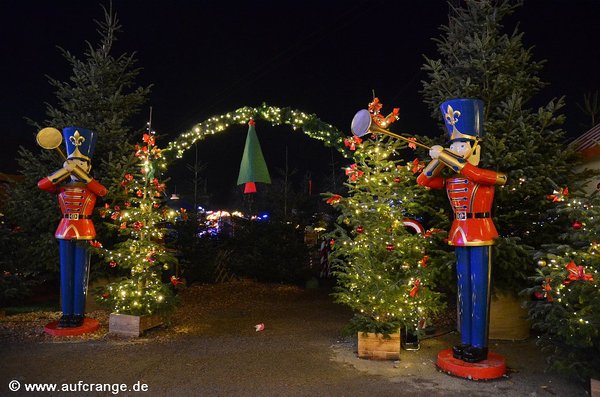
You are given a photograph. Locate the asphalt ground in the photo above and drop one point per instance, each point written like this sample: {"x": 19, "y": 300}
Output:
{"x": 211, "y": 348}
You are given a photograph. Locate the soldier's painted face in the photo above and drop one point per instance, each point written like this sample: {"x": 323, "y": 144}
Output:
{"x": 460, "y": 148}
{"x": 463, "y": 149}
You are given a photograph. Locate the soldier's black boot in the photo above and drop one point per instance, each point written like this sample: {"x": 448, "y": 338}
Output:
{"x": 76, "y": 321}
{"x": 64, "y": 321}
{"x": 475, "y": 354}
{"x": 458, "y": 350}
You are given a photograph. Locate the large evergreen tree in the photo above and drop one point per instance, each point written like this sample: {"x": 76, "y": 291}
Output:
{"x": 99, "y": 95}
{"x": 478, "y": 59}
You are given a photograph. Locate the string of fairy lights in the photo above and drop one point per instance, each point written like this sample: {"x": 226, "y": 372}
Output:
{"x": 298, "y": 120}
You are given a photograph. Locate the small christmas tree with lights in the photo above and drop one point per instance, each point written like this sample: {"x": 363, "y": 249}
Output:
{"x": 567, "y": 309}
{"x": 383, "y": 270}
{"x": 141, "y": 219}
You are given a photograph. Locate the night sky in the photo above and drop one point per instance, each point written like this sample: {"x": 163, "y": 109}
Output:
{"x": 323, "y": 57}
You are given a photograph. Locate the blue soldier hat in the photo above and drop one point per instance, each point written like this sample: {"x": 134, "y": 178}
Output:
{"x": 463, "y": 118}
{"x": 80, "y": 142}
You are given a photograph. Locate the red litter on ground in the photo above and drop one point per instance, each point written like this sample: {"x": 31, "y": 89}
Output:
{"x": 259, "y": 327}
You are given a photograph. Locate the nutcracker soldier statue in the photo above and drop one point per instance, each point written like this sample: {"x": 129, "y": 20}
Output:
{"x": 76, "y": 200}
{"x": 471, "y": 192}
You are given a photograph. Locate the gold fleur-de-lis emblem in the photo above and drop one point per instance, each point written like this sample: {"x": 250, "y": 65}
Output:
{"x": 452, "y": 115}
{"x": 77, "y": 139}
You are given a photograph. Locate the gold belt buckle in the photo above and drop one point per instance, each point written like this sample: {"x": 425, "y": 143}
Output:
{"x": 461, "y": 216}
{"x": 73, "y": 217}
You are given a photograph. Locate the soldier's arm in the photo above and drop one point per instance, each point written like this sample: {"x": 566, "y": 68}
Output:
{"x": 429, "y": 177}
{"x": 50, "y": 182}
{"x": 476, "y": 174}
{"x": 90, "y": 182}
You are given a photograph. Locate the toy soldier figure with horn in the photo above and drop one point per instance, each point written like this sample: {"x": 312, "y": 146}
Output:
{"x": 76, "y": 199}
{"x": 471, "y": 192}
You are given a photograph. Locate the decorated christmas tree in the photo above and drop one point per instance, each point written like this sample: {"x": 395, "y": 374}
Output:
{"x": 382, "y": 266}
{"x": 567, "y": 311}
{"x": 141, "y": 220}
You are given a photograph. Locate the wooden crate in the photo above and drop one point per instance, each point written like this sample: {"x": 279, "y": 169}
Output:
{"x": 127, "y": 325}
{"x": 508, "y": 319}
{"x": 375, "y": 347}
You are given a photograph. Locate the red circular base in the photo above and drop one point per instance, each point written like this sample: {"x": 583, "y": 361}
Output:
{"x": 89, "y": 325}
{"x": 492, "y": 368}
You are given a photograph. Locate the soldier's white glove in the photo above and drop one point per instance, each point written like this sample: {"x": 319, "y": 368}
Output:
{"x": 435, "y": 151}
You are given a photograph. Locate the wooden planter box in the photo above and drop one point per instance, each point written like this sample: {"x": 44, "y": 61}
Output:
{"x": 127, "y": 325}
{"x": 594, "y": 388}
{"x": 375, "y": 347}
{"x": 508, "y": 320}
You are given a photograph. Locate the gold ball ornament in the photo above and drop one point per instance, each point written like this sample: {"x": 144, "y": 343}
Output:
{"x": 541, "y": 263}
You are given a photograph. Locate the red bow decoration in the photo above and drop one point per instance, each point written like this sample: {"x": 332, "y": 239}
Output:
{"x": 412, "y": 143}
{"x": 577, "y": 273}
{"x": 558, "y": 195}
{"x": 95, "y": 244}
{"x": 547, "y": 288}
{"x": 424, "y": 260}
{"x": 334, "y": 199}
{"x": 149, "y": 139}
{"x": 416, "y": 165}
{"x": 353, "y": 172}
{"x": 381, "y": 121}
{"x": 415, "y": 289}
{"x": 351, "y": 143}
{"x": 375, "y": 106}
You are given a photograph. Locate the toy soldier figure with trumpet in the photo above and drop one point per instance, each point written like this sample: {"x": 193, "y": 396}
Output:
{"x": 76, "y": 199}
{"x": 471, "y": 193}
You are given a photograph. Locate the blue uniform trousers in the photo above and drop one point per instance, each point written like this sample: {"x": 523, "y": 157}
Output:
{"x": 74, "y": 271}
{"x": 473, "y": 268}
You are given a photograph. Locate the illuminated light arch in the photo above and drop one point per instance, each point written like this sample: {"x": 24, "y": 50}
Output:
{"x": 308, "y": 123}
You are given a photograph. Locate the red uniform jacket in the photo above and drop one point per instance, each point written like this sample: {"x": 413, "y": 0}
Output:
{"x": 471, "y": 194}
{"x": 76, "y": 202}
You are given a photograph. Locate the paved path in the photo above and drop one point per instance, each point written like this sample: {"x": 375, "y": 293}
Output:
{"x": 212, "y": 349}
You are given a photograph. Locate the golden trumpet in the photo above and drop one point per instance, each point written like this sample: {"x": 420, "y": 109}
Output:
{"x": 362, "y": 124}
{"x": 50, "y": 138}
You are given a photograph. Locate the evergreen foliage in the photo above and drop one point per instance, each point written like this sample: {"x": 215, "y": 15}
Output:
{"x": 99, "y": 95}
{"x": 478, "y": 59}
{"x": 384, "y": 271}
{"x": 141, "y": 220}
{"x": 567, "y": 312}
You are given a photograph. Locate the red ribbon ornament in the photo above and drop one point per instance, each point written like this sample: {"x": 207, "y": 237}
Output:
{"x": 577, "y": 273}
{"x": 415, "y": 289}
{"x": 334, "y": 199}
